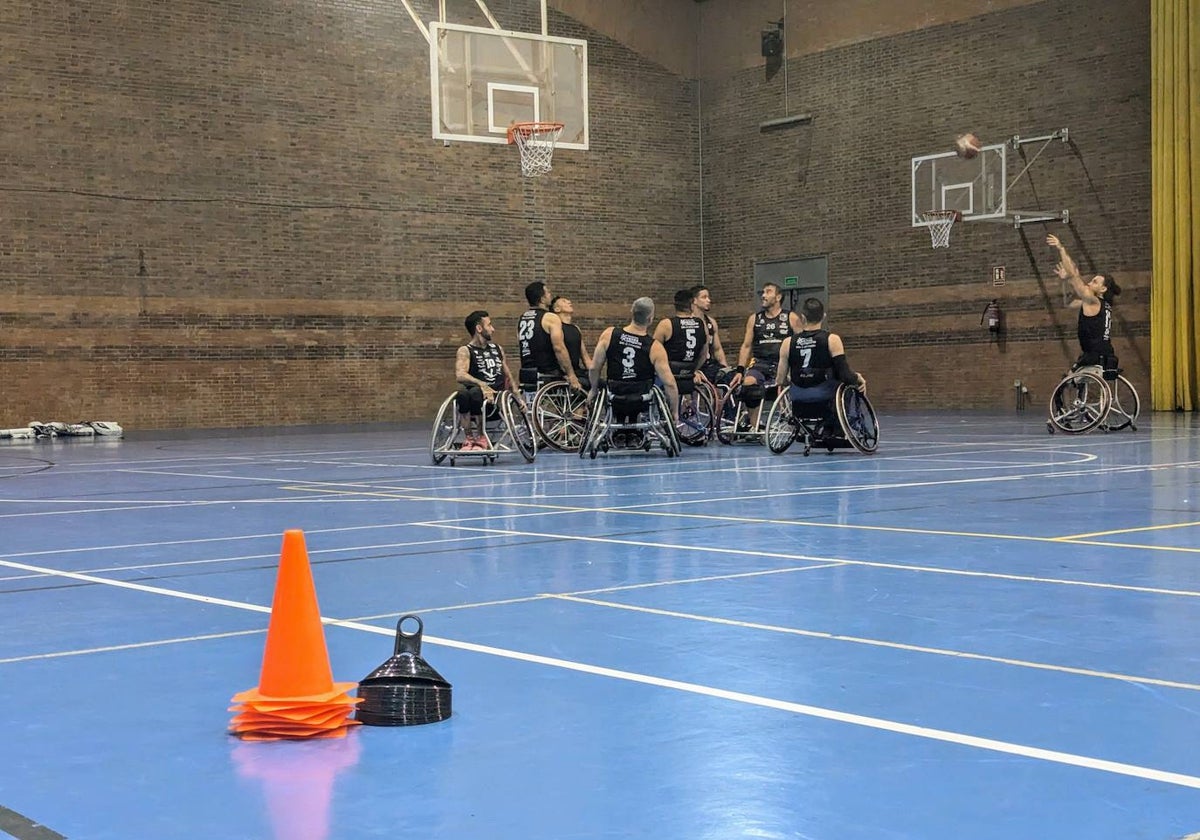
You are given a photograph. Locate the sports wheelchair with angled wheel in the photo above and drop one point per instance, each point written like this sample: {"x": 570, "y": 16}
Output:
{"x": 737, "y": 407}
{"x": 560, "y": 415}
{"x": 507, "y": 429}
{"x": 629, "y": 422}
{"x": 857, "y": 425}
{"x": 697, "y": 406}
{"x": 1094, "y": 397}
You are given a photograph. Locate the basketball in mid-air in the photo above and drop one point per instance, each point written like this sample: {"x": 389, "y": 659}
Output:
{"x": 967, "y": 145}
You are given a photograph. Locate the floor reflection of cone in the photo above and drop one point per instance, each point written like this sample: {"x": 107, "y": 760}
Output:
{"x": 297, "y": 782}
{"x": 296, "y": 696}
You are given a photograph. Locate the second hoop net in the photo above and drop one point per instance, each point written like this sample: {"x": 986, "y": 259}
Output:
{"x": 535, "y": 141}
{"x": 940, "y": 222}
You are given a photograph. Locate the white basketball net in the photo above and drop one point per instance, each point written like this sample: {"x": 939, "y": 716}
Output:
{"x": 940, "y": 222}
{"x": 536, "y": 142}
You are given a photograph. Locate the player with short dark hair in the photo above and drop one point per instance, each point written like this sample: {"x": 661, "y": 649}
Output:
{"x": 766, "y": 330}
{"x": 1094, "y": 300}
{"x": 684, "y": 337}
{"x": 581, "y": 359}
{"x": 481, "y": 370}
{"x": 812, "y": 363}
{"x": 540, "y": 340}
{"x": 701, "y": 305}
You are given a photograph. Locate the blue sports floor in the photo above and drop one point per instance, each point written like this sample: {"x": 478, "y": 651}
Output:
{"x": 982, "y": 632}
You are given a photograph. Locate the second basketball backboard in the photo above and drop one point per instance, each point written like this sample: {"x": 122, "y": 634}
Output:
{"x": 482, "y": 80}
{"x": 975, "y": 187}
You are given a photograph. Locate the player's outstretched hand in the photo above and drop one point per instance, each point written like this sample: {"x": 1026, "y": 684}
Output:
{"x": 1053, "y": 241}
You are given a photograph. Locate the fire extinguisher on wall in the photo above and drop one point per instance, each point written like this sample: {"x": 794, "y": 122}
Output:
{"x": 992, "y": 317}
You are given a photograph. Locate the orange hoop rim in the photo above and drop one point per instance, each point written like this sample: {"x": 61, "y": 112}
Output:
{"x": 527, "y": 129}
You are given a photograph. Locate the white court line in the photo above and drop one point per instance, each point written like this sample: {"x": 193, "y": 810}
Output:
{"x": 945, "y": 736}
{"x": 132, "y": 646}
{"x": 236, "y": 559}
{"x": 837, "y": 637}
{"x": 875, "y": 564}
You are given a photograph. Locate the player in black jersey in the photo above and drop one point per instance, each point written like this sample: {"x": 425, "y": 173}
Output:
{"x": 812, "y": 363}
{"x": 1094, "y": 299}
{"x": 701, "y": 304}
{"x": 759, "y": 355}
{"x": 581, "y": 359}
{"x": 540, "y": 340}
{"x": 685, "y": 339}
{"x": 481, "y": 371}
{"x": 633, "y": 358}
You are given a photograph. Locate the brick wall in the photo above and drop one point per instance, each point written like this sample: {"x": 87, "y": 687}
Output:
{"x": 233, "y": 214}
{"x": 841, "y": 186}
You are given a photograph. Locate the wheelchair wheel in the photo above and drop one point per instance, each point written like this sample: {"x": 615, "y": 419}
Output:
{"x": 727, "y": 419}
{"x": 669, "y": 431}
{"x": 445, "y": 427}
{"x": 696, "y": 417}
{"x": 859, "y": 423}
{"x": 559, "y": 416}
{"x": 1079, "y": 403}
{"x": 781, "y": 429}
{"x": 516, "y": 418}
{"x": 1124, "y": 406}
{"x": 593, "y": 429}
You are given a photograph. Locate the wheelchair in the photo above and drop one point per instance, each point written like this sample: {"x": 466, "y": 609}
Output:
{"x": 1085, "y": 400}
{"x": 697, "y": 407}
{"x": 506, "y": 426}
{"x": 733, "y": 422}
{"x": 858, "y": 425}
{"x": 558, "y": 411}
{"x": 650, "y": 426}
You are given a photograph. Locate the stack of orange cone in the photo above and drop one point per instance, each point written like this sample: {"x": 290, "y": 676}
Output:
{"x": 296, "y": 696}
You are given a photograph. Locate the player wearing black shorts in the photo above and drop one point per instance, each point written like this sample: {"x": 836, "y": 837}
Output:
{"x": 632, "y": 358}
{"x": 481, "y": 371}
{"x": 811, "y": 365}
{"x": 766, "y": 330}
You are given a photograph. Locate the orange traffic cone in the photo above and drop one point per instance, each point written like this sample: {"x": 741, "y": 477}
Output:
{"x": 296, "y": 696}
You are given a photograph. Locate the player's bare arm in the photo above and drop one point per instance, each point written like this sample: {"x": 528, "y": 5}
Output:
{"x": 781, "y": 372}
{"x": 662, "y": 367}
{"x": 598, "y": 360}
{"x": 747, "y": 343}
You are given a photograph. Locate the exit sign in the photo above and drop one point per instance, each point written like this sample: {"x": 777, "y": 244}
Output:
{"x": 791, "y": 282}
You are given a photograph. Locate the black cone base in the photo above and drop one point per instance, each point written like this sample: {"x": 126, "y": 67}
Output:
{"x": 404, "y": 690}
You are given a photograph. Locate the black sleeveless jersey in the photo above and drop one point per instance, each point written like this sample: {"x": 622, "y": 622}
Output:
{"x": 769, "y": 333}
{"x": 534, "y": 342}
{"x": 574, "y": 341}
{"x": 487, "y": 363}
{"x": 629, "y": 357}
{"x": 809, "y": 361}
{"x": 1095, "y": 331}
{"x": 687, "y": 340}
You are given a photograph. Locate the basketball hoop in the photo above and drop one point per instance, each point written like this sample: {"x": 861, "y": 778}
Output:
{"x": 940, "y": 222}
{"x": 535, "y": 141}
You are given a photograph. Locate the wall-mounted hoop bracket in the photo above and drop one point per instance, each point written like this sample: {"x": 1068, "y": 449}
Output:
{"x": 1027, "y": 217}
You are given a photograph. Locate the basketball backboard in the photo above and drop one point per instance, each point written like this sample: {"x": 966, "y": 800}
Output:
{"x": 482, "y": 80}
{"x": 975, "y": 187}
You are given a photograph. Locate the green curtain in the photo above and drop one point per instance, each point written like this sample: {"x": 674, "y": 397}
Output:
{"x": 1175, "y": 226}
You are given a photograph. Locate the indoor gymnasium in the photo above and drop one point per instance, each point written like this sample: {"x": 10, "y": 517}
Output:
{"x": 600, "y": 419}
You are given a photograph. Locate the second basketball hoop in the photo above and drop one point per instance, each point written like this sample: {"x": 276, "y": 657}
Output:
{"x": 940, "y": 223}
{"x": 535, "y": 141}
